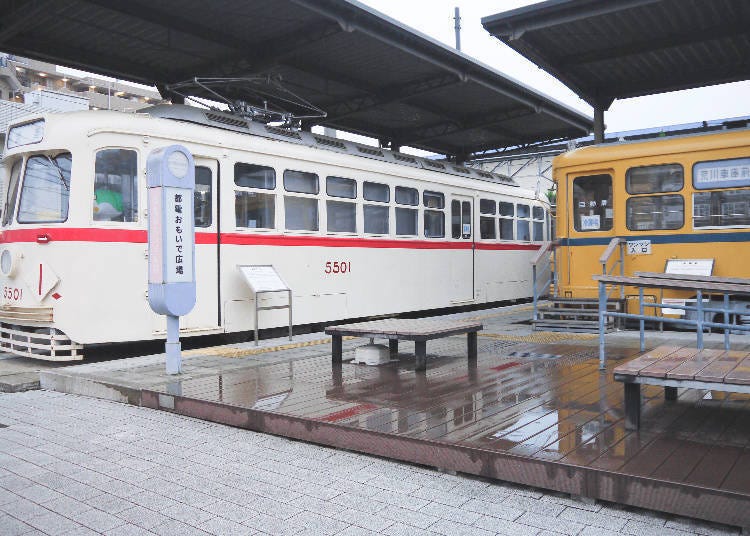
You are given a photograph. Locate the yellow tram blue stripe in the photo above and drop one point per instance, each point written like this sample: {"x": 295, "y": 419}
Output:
{"x": 661, "y": 239}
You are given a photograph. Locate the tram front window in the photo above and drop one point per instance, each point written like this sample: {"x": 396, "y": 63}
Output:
{"x": 115, "y": 185}
{"x": 592, "y": 203}
{"x": 11, "y": 194}
{"x": 46, "y": 189}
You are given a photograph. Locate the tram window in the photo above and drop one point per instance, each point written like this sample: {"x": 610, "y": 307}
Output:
{"x": 341, "y": 187}
{"x": 465, "y": 219}
{"x": 522, "y": 230}
{"x": 301, "y": 182}
{"x": 376, "y": 219}
{"x": 46, "y": 189}
{"x": 202, "y": 196}
{"x": 342, "y": 217}
{"x": 487, "y": 228}
{"x": 115, "y": 185}
{"x": 434, "y": 224}
{"x": 592, "y": 203}
{"x": 506, "y": 228}
{"x": 538, "y": 231}
{"x": 433, "y": 199}
{"x": 538, "y": 224}
{"x": 254, "y": 210}
{"x": 506, "y": 209}
{"x": 648, "y": 213}
{"x": 725, "y": 208}
{"x": 406, "y": 220}
{"x": 300, "y": 213}
{"x": 523, "y": 211}
{"x": 487, "y": 206}
{"x": 254, "y": 176}
{"x": 374, "y": 191}
{"x": 455, "y": 219}
{"x": 12, "y": 193}
{"x": 406, "y": 196}
{"x": 654, "y": 179}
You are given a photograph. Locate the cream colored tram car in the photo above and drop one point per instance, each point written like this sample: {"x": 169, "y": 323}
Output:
{"x": 355, "y": 231}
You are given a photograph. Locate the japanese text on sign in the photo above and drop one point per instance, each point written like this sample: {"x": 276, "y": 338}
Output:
{"x": 178, "y": 251}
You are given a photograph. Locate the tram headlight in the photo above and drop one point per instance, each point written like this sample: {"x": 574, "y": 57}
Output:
{"x": 7, "y": 263}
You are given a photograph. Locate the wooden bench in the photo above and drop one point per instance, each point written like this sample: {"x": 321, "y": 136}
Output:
{"x": 394, "y": 329}
{"x": 673, "y": 367}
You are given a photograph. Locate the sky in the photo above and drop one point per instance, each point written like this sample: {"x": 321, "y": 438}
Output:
{"x": 435, "y": 19}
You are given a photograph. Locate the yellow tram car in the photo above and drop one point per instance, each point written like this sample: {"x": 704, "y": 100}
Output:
{"x": 678, "y": 202}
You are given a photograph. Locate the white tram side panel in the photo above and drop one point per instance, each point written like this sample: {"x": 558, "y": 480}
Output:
{"x": 97, "y": 265}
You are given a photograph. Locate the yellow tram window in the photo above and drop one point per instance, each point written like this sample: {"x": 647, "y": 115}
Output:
{"x": 654, "y": 212}
{"x": 723, "y": 208}
{"x": 654, "y": 179}
{"x": 592, "y": 203}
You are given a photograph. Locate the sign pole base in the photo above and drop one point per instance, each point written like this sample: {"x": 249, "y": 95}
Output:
{"x": 173, "y": 346}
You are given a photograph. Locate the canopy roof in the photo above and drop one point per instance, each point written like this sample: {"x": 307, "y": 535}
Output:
{"x": 605, "y": 50}
{"x": 370, "y": 74}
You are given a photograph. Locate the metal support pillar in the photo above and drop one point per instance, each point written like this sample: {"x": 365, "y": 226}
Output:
{"x": 598, "y": 124}
{"x": 641, "y": 322}
{"x": 173, "y": 347}
{"x": 699, "y": 319}
{"x": 336, "y": 349}
{"x": 602, "y": 314}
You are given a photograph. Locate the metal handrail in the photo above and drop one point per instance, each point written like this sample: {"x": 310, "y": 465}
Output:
{"x": 540, "y": 268}
{"x": 699, "y": 284}
{"x": 616, "y": 244}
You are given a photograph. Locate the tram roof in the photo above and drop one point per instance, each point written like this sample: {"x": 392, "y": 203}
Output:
{"x": 605, "y": 50}
{"x": 372, "y": 75}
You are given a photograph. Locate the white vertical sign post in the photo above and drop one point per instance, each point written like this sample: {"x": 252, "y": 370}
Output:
{"x": 171, "y": 242}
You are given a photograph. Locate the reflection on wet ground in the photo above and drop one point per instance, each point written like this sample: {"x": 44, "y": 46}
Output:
{"x": 546, "y": 402}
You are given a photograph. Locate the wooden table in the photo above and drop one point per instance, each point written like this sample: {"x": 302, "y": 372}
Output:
{"x": 418, "y": 330}
{"x": 672, "y": 367}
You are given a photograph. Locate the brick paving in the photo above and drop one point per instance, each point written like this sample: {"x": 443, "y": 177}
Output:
{"x": 72, "y": 465}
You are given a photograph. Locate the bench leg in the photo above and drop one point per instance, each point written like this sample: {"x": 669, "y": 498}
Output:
{"x": 670, "y": 393}
{"x": 472, "y": 341}
{"x": 420, "y": 351}
{"x": 336, "y": 348}
{"x": 393, "y": 347}
{"x": 632, "y": 406}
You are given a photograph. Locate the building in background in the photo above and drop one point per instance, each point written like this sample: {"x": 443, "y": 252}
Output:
{"x": 29, "y": 86}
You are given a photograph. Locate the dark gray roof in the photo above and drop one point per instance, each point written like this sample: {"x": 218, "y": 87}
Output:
{"x": 606, "y": 49}
{"x": 371, "y": 75}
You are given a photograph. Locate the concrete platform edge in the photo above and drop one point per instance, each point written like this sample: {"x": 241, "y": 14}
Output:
{"x": 78, "y": 385}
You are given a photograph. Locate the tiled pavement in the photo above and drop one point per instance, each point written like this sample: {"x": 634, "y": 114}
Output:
{"x": 73, "y": 465}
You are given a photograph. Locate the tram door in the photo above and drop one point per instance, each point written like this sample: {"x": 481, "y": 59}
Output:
{"x": 462, "y": 265}
{"x": 205, "y": 314}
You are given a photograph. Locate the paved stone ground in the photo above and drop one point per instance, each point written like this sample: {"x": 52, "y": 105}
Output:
{"x": 71, "y": 465}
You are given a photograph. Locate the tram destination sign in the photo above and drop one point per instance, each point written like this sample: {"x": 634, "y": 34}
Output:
{"x": 734, "y": 172}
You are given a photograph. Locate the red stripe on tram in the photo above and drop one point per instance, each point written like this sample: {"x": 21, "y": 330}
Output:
{"x": 61, "y": 234}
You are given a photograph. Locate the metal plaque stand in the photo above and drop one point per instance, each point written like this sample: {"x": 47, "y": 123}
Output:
{"x": 263, "y": 279}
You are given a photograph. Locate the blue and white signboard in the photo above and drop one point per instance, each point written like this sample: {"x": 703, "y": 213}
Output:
{"x": 722, "y": 173}
{"x": 171, "y": 241}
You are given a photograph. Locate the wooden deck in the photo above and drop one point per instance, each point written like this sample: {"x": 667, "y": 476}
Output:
{"x": 526, "y": 417}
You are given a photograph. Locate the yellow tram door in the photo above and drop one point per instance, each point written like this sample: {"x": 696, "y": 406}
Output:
{"x": 589, "y": 226}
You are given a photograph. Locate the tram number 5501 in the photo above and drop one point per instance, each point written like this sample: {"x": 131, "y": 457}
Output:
{"x": 338, "y": 267}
